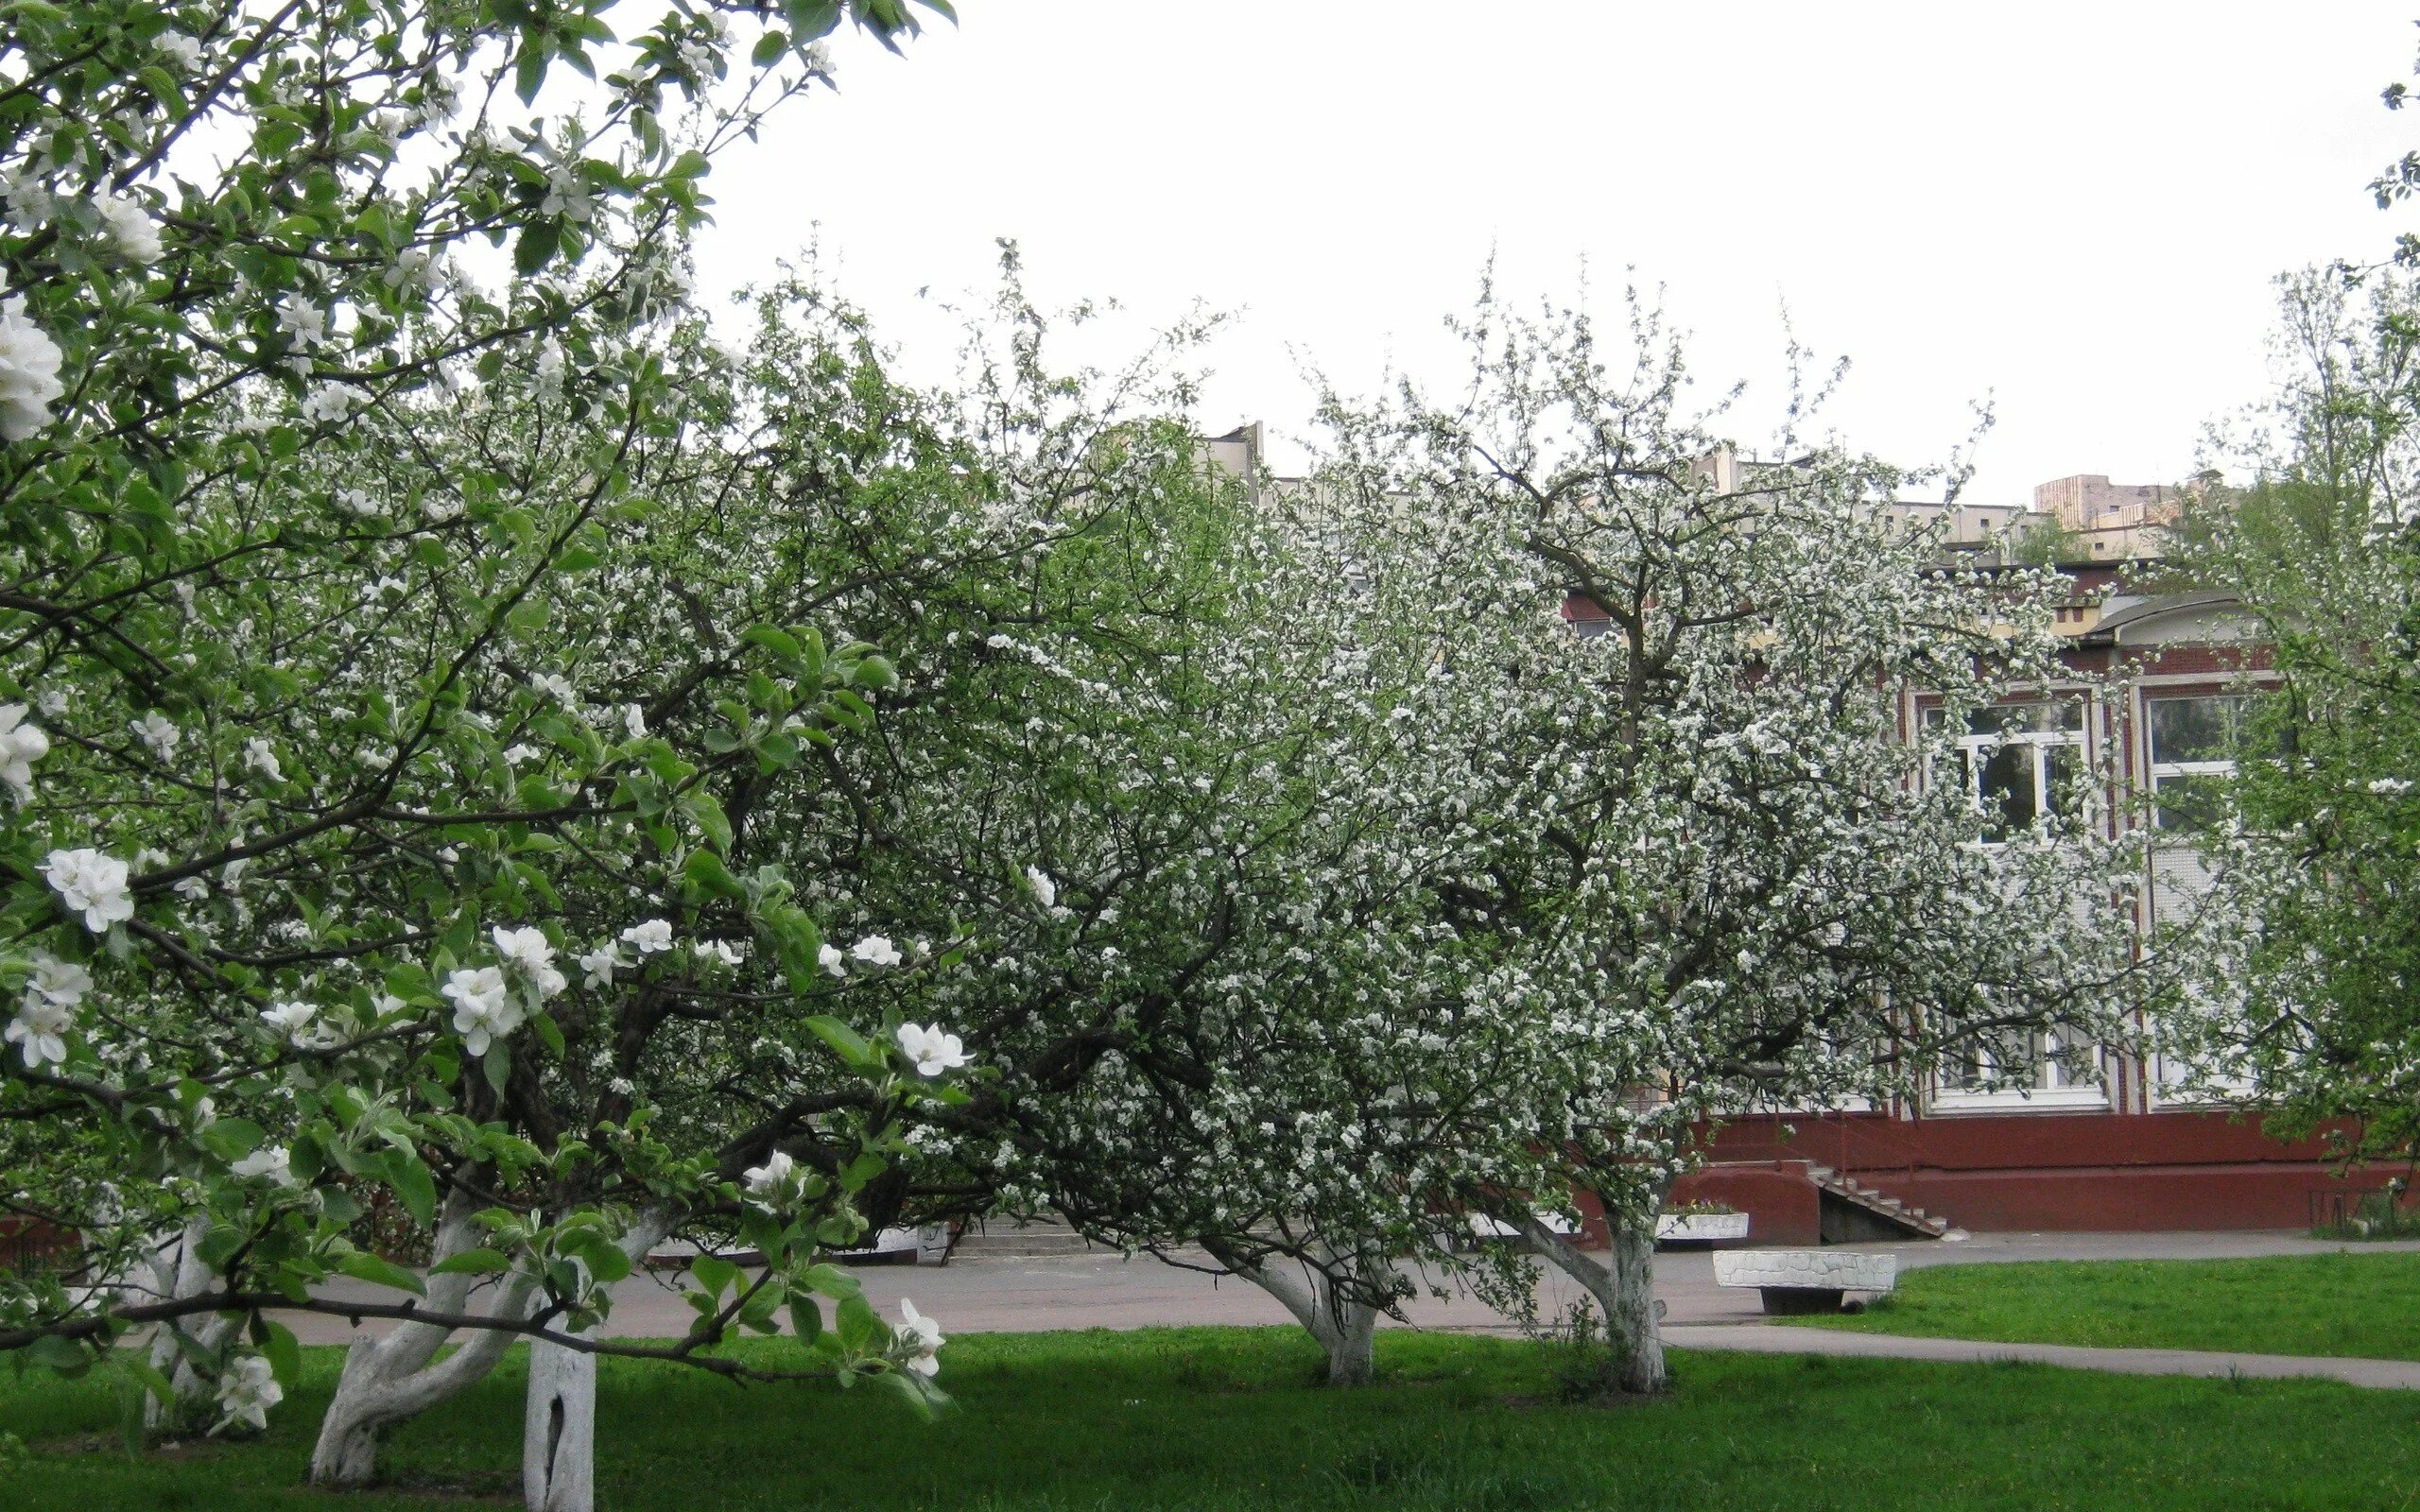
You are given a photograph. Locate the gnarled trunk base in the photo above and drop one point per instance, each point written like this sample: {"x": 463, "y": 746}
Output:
{"x": 1345, "y": 1324}
{"x": 558, "y": 1431}
{"x": 1624, "y": 1285}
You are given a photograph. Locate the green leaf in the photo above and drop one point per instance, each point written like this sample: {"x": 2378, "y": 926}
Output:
{"x": 850, "y": 1045}
{"x": 861, "y": 1332}
{"x": 537, "y": 245}
{"x": 806, "y": 1317}
{"x": 283, "y": 1351}
{"x": 706, "y": 869}
{"x": 480, "y": 1261}
{"x": 363, "y": 1265}
{"x": 770, "y": 47}
{"x": 415, "y": 1186}
{"x": 781, "y": 643}
{"x": 147, "y": 1378}
{"x": 232, "y": 1139}
{"x": 831, "y": 1281}
{"x": 714, "y": 1274}
{"x": 917, "y": 1392}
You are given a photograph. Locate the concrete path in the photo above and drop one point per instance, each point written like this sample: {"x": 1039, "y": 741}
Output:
{"x": 1761, "y": 1338}
{"x": 1102, "y": 1290}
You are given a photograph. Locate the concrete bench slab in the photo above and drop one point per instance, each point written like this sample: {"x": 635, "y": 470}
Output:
{"x": 1701, "y": 1228}
{"x": 1807, "y": 1281}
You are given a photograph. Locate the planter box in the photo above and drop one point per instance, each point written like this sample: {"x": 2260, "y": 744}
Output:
{"x": 1701, "y": 1228}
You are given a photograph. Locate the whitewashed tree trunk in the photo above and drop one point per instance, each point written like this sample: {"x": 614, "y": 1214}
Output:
{"x": 558, "y": 1431}
{"x": 1344, "y": 1325}
{"x": 1624, "y": 1286}
{"x": 178, "y": 1272}
{"x": 390, "y": 1380}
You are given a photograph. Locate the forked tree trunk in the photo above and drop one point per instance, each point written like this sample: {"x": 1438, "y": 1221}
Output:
{"x": 1624, "y": 1285}
{"x": 390, "y": 1380}
{"x": 1344, "y": 1325}
{"x": 178, "y": 1272}
{"x": 558, "y": 1431}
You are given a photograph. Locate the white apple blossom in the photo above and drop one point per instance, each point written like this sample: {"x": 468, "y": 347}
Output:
{"x": 651, "y": 938}
{"x": 598, "y": 966}
{"x": 829, "y": 957}
{"x": 30, "y": 202}
{"x": 484, "y": 1010}
{"x": 160, "y": 732}
{"x": 273, "y": 1164}
{"x": 21, "y": 744}
{"x": 93, "y": 885}
{"x": 300, "y": 1025}
{"x": 39, "y": 1030}
{"x": 727, "y": 952}
{"x": 556, "y": 686}
{"x": 332, "y": 402}
{"x": 248, "y": 1389}
{"x": 262, "y": 757}
{"x": 933, "y": 1051}
{"x": 132, "y": 232}
{"x": 876, "y": 949}
{"x": 30, "y": 362}
{"x": 359, "y": 502}
{"x": 768, "y": 1185}
{"x": 924, "y": 1338}
{"x": 531, "y": 958}
{"x": 1045, "y": 892}
{"x": 185, "y": 51}
{"x": 634, "y": 721}
{"x": 2389, "y": 786}
{"x": 516, "y": 754}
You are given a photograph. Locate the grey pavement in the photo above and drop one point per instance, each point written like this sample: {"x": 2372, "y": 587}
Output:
{"x": 1102, "y": 1290}
{"x": 1766, "y": 1339}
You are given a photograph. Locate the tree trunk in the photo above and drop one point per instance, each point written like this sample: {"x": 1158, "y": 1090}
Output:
{"x": 178, "y": 1272}
{"x": 390, "y": 1380}
{"x": 1624, "y": 1287}
{"x": 558, "y": 1431}
{"x": 1344, "y": 1325}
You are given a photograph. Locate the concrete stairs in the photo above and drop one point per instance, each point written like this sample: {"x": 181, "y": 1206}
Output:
{"x": 1879, "y": 1205}
{"x": 1038, "y": 1238}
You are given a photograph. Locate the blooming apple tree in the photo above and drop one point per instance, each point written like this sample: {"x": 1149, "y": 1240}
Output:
{"x": 343, "y": 864}
{"x": 1725, "y": 872}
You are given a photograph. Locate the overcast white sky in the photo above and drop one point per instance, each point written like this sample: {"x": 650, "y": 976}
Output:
{"x": 2075, "y": 209}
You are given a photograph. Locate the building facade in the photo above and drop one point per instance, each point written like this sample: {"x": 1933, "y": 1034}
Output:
{"x": 2062, "y": 1136}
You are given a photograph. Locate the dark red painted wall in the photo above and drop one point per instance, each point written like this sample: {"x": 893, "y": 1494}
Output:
{"x": 2048, "y": 1171}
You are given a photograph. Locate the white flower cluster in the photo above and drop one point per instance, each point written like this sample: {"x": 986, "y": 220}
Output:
{"x": 30, "y": 382}
{"x": 46, "y": 1013}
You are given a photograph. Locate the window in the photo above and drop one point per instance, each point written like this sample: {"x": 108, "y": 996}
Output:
{"x": 2023, "y": 762}
{"x": 2048, "y": 1068}
{"x": 2193, "y": 743}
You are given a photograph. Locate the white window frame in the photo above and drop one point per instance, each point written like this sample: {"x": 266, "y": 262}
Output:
{"x": 2056, "y": 1092}
{"x": 2164, "y": 1077}
{"x": 2157, "y": 769}
{"x": 1975, "y": 749}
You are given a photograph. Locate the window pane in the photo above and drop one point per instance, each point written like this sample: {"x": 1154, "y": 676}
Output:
{"x": 2191, "y": 803}
{"x": 2008, "y": 791}
{"x": 2194, "y": 730}
{"x": 2064, "y": 777}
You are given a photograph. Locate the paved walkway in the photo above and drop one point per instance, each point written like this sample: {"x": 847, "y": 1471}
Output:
{"x": 1761, "y": 1338}
{"x": 1013, "y": 1296}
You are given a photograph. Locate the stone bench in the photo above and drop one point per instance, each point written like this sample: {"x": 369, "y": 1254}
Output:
{"x": 1808, "y": 1281}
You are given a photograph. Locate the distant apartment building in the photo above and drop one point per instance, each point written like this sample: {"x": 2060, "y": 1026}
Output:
{"x": 2111, "y": 522}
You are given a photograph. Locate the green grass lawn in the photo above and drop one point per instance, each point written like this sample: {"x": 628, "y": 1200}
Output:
{"x": 2359, "y": 1303}
{"x": 1228, "y": 1419}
